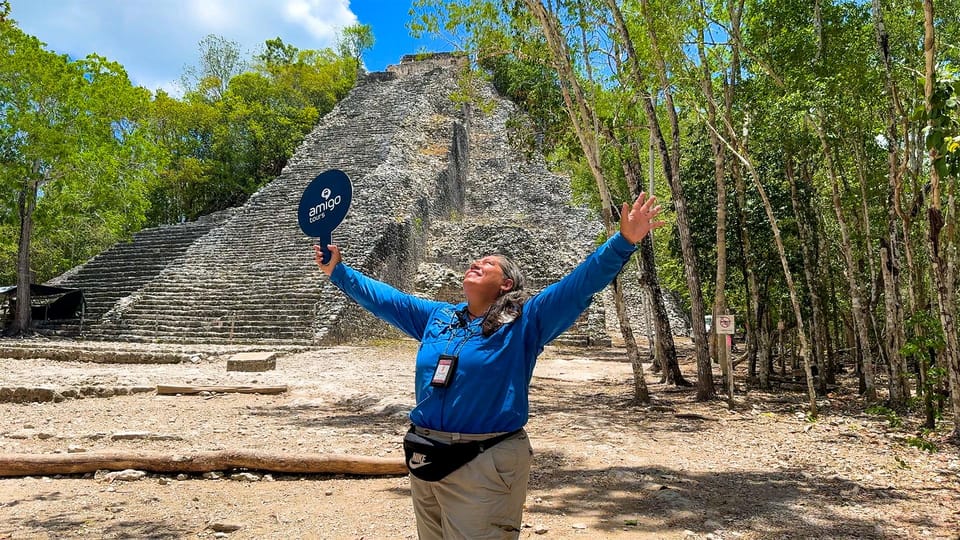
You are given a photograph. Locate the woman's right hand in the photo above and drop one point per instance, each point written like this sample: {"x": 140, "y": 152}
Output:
{"x": 334, "y": 258}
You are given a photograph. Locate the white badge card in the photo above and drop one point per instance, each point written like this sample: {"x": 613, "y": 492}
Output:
{"x": 443, "y": 374}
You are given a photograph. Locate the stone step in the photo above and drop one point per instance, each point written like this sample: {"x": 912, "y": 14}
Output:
{"x": 237, "y": 340}
{"x": 220, "y": 305}
{"x": 223, "y": 331}
{"x": 142, "y": 335}
{"x": 195, "y": 321}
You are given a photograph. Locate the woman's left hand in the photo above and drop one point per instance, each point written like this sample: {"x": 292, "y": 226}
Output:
{"x": 638, "y": 220}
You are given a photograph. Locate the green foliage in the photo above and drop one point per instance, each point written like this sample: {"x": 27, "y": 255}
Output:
{"x": 75, "y": 135}
{"x": 354, "y": 41}
{"x": 943, "y": 123}
{"x": 534, "y": 87}
{"x": 923, "y": 444}
{"x": 220, "y": 60}
{"x": 225, "y": 145}
{"x": 924, "y": 333}
{"x": 892, "y": 417}
{"x": 107, "y": 159}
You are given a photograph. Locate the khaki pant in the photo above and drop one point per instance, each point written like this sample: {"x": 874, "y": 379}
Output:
{"x": 481, "y": 500}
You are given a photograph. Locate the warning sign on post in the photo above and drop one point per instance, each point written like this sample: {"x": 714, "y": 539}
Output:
{"x": 725, "y": 324}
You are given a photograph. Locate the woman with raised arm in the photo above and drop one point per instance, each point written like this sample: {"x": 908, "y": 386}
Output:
{"x": 468, "y": 455}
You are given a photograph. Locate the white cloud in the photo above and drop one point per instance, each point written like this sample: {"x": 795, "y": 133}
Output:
{"x": 155, "y": 40}
{"x": 215, "y": 15}
{"x": 321, "y": 18}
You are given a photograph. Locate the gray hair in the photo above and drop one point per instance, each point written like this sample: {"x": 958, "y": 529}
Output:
{"x": 509, "y": 304}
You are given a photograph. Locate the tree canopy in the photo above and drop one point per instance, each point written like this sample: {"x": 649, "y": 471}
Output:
{"x": 89, "y": 159}
{"x": 814, "y": 146}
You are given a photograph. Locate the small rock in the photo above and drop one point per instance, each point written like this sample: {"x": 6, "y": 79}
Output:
{"x": 164, "y": 437}
{"x": 181, "y": 477}
{"x": 579, "y": 526}
{"x": 852, "y": 492}
{"x": 129, "y": 435}
{"x": 126, "y": 475}
{"x": 212, "y": 475}
{"x": 540, "y": 530}
{"x": 224, "y": 527}
{"x": 75, "y": 449}
{"x": 44, "y": 435}
{"x": 245, "y": 477}
{"x": 220, "y": 535}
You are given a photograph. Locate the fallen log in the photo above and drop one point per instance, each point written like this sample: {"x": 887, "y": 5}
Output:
{"x": 169, "y": 389}
{"x": 198, "y": 462}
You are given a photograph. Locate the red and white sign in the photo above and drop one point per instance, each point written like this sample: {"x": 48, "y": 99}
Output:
{"x": 725, "y": 324}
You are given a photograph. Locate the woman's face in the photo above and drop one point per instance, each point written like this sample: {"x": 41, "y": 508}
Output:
{"x": 485, "y": 278}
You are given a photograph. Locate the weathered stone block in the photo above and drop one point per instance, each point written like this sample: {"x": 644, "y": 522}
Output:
{"x": 252, "y": 361}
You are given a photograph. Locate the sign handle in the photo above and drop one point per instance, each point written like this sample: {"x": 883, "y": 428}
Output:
{"x": 323, "y": 240}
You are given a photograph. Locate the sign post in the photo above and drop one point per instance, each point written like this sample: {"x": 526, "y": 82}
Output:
{"x": 726, "y": 326}
{"x": 323, "y": 206}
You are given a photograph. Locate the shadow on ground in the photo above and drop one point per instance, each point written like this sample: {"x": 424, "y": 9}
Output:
{"x": 786, "y": 504}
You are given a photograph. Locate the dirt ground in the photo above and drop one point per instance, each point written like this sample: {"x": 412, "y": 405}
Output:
{"x": 603, "y": 468}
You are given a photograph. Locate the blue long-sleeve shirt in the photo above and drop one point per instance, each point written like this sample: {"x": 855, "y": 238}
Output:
{"x": 489, "y": 389}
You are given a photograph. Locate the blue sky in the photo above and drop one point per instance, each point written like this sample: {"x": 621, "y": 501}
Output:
{"x": 155, "y": 39}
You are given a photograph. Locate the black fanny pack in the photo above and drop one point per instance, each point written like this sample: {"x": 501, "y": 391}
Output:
{"x": 432, "y": 460}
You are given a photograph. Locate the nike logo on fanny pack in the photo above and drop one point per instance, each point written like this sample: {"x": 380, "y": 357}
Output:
{"x": 418, "y": 460}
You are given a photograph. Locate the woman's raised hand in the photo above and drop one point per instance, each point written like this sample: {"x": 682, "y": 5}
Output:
{"x": 334, "y": 258}
{"x": 637, "y": 221}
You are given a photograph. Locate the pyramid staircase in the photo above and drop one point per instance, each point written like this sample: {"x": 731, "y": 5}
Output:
{"x": 126, "y": 267}
{"x": 436, "y": 184}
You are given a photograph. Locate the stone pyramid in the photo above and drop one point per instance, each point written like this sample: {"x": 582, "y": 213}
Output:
{"x": 436, "y": 184}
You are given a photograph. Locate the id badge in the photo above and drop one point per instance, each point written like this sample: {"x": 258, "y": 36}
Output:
{"x": 443, "y": 374}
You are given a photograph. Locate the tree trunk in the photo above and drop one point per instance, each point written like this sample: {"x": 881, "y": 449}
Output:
{"x": 197, "y": 462}
{"x": 942, "y": 234}
{"x": 719, "y": 175}
{"x": 671, "y": 164}
{"x": 811, "y": 268}
{"x": 944, "y": 281}
{"x": 665, "y": 345}
{"x": 27, "y": 202}
{"x": 870, "y": 298}
{"x": 584, "y": 123}
{"x": 735, "y": 9}
{"x": 640, "y": 393}
{"x": 788, "y": 276}
{"x": 856, "y": 296}
{"x": 751, "y": 320}
{"x": 705, "y": 386}
{"x": 764, "y": 349}
{"x": 896, "y": 163}
{"x": 666, "y": 350}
